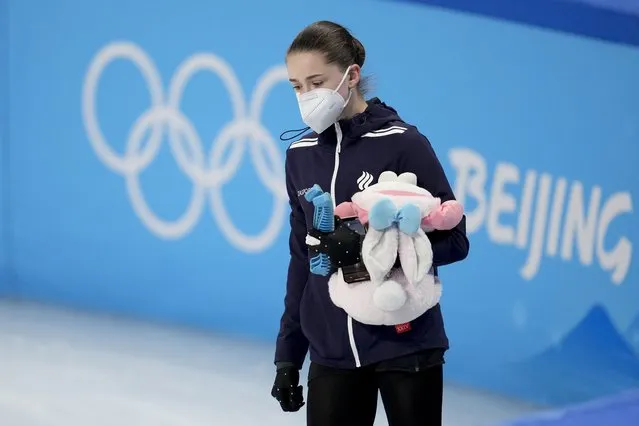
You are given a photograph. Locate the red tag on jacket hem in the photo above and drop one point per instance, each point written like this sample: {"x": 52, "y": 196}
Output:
{"x": 402, "y": 328}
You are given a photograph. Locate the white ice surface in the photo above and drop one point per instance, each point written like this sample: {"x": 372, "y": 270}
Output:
{"x": 64, "y": 368}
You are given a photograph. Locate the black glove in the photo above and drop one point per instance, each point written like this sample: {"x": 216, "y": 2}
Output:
{"x": 287, "y": 390}
{"x": 343, "y": 245}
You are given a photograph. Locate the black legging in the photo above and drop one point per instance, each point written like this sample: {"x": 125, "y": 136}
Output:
{"x": 349, "y": 397}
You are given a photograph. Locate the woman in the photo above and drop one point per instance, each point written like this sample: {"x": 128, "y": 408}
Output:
{"x": 350, "y": 361}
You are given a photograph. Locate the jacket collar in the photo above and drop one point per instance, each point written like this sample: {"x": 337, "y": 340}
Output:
{"x": 374, "y": 117}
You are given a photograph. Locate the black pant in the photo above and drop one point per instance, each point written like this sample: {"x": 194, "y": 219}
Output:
{"x": 349, "y": 397}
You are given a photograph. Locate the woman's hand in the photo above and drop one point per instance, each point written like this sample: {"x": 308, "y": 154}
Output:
{"x": 286, "y": 389}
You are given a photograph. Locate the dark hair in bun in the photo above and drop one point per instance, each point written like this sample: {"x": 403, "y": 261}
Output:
{"x": 335, "y": 42}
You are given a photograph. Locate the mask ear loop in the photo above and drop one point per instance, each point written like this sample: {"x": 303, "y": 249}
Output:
{"x": 350, "y": 91}
{"x": 299, "y": 133}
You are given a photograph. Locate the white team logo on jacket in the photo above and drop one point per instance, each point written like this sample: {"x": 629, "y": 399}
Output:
{"x": 364, "y": 181}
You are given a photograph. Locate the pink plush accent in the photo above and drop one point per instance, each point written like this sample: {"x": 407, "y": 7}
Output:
{"x": 350, "y": 209}
{"x": 362, "y": 215}
{"x": 447, "y": 216}
{"x": 345, "y": 209}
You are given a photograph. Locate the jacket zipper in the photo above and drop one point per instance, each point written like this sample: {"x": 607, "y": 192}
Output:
{"x": 349, "y": 323}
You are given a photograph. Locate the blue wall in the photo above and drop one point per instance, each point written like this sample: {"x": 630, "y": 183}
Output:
{"x": 4, "y": 143}
{"x": 537, "y": 130}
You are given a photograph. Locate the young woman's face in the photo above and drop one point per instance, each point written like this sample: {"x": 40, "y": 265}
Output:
{"x": 309, "y": 70}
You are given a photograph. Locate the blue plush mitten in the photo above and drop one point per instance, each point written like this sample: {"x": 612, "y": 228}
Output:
{"x": 323, "y": 221}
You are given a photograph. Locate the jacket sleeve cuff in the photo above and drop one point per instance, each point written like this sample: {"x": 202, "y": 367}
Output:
{"x": 283, "y": 364}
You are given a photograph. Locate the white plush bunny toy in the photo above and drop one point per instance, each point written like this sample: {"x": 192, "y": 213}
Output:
{"x": 398, "y": 214}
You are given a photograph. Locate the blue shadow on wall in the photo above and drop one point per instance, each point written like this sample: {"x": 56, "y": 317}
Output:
{"x": 602, "y": 20}
{"x": 618, "y": 410}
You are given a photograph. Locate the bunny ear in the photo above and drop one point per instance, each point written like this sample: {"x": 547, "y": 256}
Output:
{"x": 408, "y": 177}
{"x": 415, "y": 255}
{"x": 387, "y": 176}
{"x": 379, "y": 252}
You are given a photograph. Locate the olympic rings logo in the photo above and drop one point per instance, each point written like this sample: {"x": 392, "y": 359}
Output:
{"x": 208, "y": 174}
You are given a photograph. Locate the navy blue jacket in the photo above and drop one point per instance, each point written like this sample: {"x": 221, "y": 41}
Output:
{"x": 342, "y": 159}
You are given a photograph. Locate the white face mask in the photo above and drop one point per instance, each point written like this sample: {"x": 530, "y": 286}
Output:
{"x": 320, "y": 108}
